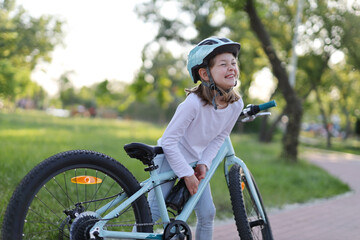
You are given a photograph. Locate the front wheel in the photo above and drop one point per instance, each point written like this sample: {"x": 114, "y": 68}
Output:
{"x": 64, "y": 193}
{"x": 249, "y": 222}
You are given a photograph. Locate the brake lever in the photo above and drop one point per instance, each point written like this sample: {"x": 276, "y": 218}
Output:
{"x": 253, "y": 117}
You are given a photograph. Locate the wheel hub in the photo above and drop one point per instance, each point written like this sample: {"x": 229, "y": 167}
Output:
{"x": 177, "y": 230}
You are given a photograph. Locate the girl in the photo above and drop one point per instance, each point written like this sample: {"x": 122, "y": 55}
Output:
{"x": 201, "y": 123}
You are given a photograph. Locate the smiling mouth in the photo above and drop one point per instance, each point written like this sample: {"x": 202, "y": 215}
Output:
{"x": 230, "y": 76}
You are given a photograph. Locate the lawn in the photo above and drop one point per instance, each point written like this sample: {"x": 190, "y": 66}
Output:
{"x": 28, "y": 137}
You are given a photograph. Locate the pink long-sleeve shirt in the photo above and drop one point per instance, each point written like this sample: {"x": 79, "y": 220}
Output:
{"x": 196, "y": 133}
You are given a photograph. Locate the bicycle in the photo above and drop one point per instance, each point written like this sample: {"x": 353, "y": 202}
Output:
{"x": 83, "y": 194}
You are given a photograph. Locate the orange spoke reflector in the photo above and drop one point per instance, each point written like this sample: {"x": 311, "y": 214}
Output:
{"x": 86, "y": 180}
{"x": 242, "y": 185}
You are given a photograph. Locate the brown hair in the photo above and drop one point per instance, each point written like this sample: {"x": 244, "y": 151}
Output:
{"x": 206, "y": 94}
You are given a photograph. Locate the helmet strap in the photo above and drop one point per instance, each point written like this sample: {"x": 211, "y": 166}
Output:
{"x": 211, "y": 84}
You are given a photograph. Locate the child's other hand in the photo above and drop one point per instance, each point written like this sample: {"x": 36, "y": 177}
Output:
{"x": 200, "y": 171}
{"x": 192, "y": 184}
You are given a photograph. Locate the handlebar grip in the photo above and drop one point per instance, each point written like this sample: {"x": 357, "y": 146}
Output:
{"x": 267, "y": 105}
{"x": 254, "y": 109}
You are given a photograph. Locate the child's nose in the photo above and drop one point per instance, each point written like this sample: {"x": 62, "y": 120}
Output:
{"x": 231, "y": 68}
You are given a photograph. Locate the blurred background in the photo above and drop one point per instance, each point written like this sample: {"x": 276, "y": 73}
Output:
{"x": 127, "y": 60}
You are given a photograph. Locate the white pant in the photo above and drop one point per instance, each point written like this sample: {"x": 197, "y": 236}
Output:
{"x": 204, "y": 209}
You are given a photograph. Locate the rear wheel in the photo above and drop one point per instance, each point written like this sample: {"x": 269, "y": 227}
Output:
{"x": 69, "y": 185}
{"x": 249, "y": 222}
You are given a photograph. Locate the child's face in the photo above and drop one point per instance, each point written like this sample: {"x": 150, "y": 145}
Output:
{"x": 224, "y": 70}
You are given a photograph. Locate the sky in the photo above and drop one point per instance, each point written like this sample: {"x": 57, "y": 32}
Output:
{"x": 103, "y": 40}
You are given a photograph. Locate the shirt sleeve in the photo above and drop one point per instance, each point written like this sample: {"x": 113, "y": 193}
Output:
{"x": 184, "y": 115}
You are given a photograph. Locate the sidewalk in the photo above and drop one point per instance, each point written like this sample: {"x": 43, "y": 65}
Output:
{"x": 337, "y": 218}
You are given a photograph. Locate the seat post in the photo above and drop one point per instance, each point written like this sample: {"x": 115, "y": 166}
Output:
{"x": 151, "y": 167}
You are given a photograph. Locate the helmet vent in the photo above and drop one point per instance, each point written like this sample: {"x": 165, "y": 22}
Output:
{"x": 208, "y": 42}
{"x": 224, "y": 39}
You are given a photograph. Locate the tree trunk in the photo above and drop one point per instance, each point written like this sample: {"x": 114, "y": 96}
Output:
{"x": 348, "y": 124}
{"x": 343, "y": 106}
{"x": 293, "y": 109}
{"x": 267, "y": 132}
{"x": 263, "y": 134}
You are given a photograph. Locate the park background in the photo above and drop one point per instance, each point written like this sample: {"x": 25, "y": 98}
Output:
{"x": 47, "y": 108}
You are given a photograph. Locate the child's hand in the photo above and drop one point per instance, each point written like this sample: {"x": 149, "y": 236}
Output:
{"x": 192, "y": 184}
{"x": 200, "y": 171}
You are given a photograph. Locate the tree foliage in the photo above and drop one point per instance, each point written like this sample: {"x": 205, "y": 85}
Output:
{"x": 24, "y": 42}
{"x": 163, "y": 76}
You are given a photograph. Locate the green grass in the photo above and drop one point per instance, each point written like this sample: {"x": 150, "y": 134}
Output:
{"x": 27, "y": 138}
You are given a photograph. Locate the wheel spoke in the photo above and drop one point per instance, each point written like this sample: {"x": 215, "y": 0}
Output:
{"x": 77, "y": 190}
{"x": 54, "y": 197}
{"x": 47, "y": 206}
{"x": 64, "y": 190}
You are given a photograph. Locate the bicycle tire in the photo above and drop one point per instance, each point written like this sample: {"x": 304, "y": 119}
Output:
{"x": 36, "y": 208}
{"x": 249, "y": 223}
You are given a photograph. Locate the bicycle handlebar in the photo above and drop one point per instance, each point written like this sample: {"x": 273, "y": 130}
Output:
{"x": 267, "y": 105}
{"x": 254, "y": 109}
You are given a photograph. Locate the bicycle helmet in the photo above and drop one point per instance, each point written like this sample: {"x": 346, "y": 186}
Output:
{"x": 200, "y": 55}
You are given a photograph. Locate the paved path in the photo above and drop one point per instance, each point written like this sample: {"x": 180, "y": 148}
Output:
{"x": 337, "y": 218}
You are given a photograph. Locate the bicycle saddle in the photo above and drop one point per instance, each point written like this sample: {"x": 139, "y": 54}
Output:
{"x": 145, "y": 153}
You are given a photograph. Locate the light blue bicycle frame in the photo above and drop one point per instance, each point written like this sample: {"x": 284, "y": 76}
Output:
{"x": 226, "y": 152}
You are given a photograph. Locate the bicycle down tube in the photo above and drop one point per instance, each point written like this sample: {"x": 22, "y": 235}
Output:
{"x": 226, "y": 152}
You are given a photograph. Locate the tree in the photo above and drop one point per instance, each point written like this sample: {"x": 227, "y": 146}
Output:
{"x": 323, "y": 24}
{"x": 24, "y": 42}
{"x": 293, "y": 108}
{"x": 350, "y": 37}
{"x": 67, "y": 93}
{"x": 161, "y": 77}
{"x": 333, "y": 29}
{"x": 7, "y": 74}
{"x": 357, "y": 128}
